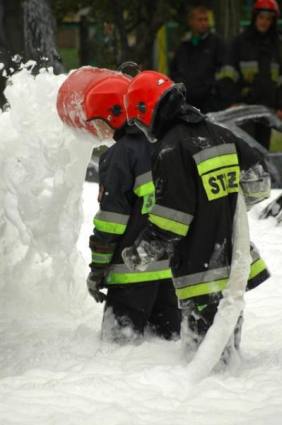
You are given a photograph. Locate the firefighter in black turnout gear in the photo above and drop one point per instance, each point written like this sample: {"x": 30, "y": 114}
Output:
{"x": 197, "y": 173}
{"x": 135, "y": 300}
{"x": 252, "y": 73}
{"x": 198, "y": 60}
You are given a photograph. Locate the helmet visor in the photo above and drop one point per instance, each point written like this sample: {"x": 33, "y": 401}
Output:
{"x": 103, "y": 130}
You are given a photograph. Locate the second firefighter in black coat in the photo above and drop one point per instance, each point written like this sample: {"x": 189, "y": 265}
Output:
{"x": 252, "y": 72}
{"x": 197, "y": 174}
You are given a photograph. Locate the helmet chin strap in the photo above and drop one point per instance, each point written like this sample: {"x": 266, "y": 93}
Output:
{"x": 146, "y": 131}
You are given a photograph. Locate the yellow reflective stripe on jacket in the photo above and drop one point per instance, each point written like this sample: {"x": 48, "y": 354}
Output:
{"x": 148, "y": 202}
{"x": 202, "y": 283}
{"x": 217, "y": 162}
{"x": 249, "y": 69}
{"x": 172, "y": 214}
{"x": 203, "y": 156}
{"x": 170, "y": 219}
{"x": 169, "y": 225}
{"x": 274, "y": 70}
{"x": 220, "y": 183}
{"x": 144, "y": 187}
{"x": 219, "y": 169}
{"x": 227, "y": 71}
{"x": 257, "y": 267}
{"x": 107, "y": 227}
{"x": 144, "y": 184}
{"x": 110, "y": 222}
{"x": 119, "y": 273}
{"x": 201, "y": 289}
{"x": 189, "y": 286}
{"x": 101, "y": 258}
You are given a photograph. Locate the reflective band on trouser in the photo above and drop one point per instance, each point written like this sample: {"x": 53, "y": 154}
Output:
{"x": 203, "y": 283}
{"x": 110, "y": 222}
{"x": 144, "y": 184}
{"x": 249, "y": 69}
{"x": 174, "y": 221}
{"x": 227, "y": 71}
{"x": 101, "y": 258}
{"x": 219, "y": 168}
{"x": 119, "y": 274}
{"x": 274, "y": 69}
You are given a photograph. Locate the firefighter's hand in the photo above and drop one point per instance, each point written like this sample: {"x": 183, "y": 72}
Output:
{"x": 138, "y": 257}
{"x": 95, "y": 283}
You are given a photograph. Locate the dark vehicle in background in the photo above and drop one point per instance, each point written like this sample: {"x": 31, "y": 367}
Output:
{"x": 236, "y": 117}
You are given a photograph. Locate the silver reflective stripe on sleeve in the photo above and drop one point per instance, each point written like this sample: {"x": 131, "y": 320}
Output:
{"x": 142, "y": 179}
{"x": 172, "y": 214}
{"x": 274, "y": 67}
{"x": 112, "y": 217}
{"x": 110, "y": 222}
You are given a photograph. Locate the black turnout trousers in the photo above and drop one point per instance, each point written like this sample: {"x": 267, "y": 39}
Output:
{"x": 150, "y": 305}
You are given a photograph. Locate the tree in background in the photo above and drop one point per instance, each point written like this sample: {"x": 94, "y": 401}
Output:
{"x": 127, "y": 29}
{"x": 227, "y": 16}
{"x": 129, "y": 26}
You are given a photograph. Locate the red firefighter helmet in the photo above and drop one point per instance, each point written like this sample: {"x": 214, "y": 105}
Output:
{"x": 144, "y": 94}
{"x": 105, "y": 100}
{"x": 81, "y": 98}
{"x": 270, "y": 5}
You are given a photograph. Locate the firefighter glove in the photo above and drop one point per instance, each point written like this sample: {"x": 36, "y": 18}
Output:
{"x": 95, "y": 281}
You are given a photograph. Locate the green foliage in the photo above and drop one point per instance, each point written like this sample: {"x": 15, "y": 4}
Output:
{"x": 62, "y": 8}
{"x": 126, "y": 29}
{"x": 69, "y": 57}
{"x": 123, "y": 26}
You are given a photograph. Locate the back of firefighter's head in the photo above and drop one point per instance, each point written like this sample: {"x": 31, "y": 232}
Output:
{"x": 265, "y": 15}
{"x": 198, "y": 19}
{"x": 104, "y": 104}
{"x": 152, "y": 101}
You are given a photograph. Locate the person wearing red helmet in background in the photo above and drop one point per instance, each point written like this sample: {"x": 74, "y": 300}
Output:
{"x": 252, "y": 73}
{"x": 196, "y": 169}
{"x": 140, "y": 300}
